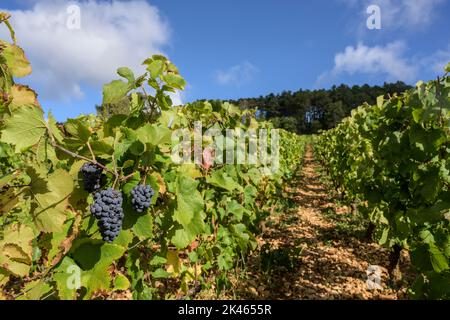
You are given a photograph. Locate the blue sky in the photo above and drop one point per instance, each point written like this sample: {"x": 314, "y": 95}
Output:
{"x": 228, "y": 49}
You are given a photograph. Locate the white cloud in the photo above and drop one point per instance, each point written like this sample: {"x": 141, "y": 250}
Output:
{"x": 405, "y": 14}
{"x": 385, "y": 60}
{"x": 437, "y": 61}
{"x": 112, "y": 34}
{"x": 237, "y": 75}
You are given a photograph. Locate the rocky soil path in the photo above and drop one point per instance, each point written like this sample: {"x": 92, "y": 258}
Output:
{"x": 315, "y": 250}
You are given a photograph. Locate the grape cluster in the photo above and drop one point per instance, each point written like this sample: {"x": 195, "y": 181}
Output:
{"x": 92, "y": 174}
{"x": 107, "y": 208}
{"x": 141, "y": 196}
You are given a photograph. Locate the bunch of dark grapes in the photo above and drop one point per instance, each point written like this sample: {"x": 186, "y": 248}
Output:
{"x": 92, "y": 175}
{"x": 107, "y": 208}
{"x": 141, "y": 197}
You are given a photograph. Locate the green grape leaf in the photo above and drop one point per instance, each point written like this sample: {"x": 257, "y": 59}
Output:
{"x": 155, "y": 135}
{"x": 160, "y": 274}
{"x": 126, "y": 73}
{"x": 96, "y": 279}
{"x": 174, "y": 80}
{"x": 92, "y": 253}
{"x": 35, "y": 290}
{"x": 102, "y": 147}
{"x": 56, "y": 240}
{"x": 182, "y": 239}
{"x": 221, "y": 180}
{"x": 127, "y": 138}
{"x": 143, "y": 228}
{"x": 25, "y": 128}
{"x": 54, "y": 128}
{"x": 66, "y": 280}
{"x": 115, "y": 91}
{"x": 236, "y": 209}
{"x": 124, "y": 238}
{"x": 155, "y": 68}
{"x": 121, "y": 282}
{"x": 189, "y": 200}
{"x": 438, "y": 260}
{"x": 50, "y": 199}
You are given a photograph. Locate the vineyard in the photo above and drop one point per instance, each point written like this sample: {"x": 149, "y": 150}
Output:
{"x": 98, "y": 207}
{"x": 391, "y": 160}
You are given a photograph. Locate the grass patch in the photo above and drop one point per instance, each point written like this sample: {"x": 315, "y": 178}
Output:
{"x": 287, "y": 257}
{"x": 346, "y": 224}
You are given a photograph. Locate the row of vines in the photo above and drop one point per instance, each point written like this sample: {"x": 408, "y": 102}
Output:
{"x": 201, "y": 221}
{"x": 392, "y": 160}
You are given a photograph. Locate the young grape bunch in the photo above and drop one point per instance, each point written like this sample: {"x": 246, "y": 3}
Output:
{"x": 141, "y": 197}
{"x": 107, "y": 208}
{"x": 92, "y": 174}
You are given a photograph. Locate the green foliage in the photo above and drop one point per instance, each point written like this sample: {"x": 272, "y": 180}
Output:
{"x": 307, "y": 111}
{"x": 106, "y": 111}
{"x": 287, "y": 257}
{"x": 394, "y": 158}
{"x": 202, "y": 220}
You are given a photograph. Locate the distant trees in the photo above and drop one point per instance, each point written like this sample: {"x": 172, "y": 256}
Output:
{"x": 105, "y": 111}
{"x": 307, "y": 111}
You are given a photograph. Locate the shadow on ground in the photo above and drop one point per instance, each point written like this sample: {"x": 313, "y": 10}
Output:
{"x": 315, "y": 251}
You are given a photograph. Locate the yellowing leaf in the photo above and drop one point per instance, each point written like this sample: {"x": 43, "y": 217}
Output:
{"x": 190, "y": 170}
{"x": 121, "y": 282}
{"x": 94, "y": 280}
{"x": 50, "y": 200}
{"x": 173, "y": 262}
{"x": 16, "y": 60}
{"x": 21, "y": 96}
{"x": 15, "y": 249}
{"x": 35, "y": 290}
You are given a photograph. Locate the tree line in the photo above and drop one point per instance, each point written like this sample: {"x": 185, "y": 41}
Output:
{"x": 307, "y": 111}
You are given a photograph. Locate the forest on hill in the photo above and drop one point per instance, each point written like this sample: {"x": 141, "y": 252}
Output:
{"x": 307, "y": 111}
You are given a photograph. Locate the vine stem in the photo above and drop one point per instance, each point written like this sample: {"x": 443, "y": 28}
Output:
{"x": 48, "y": 295}
{"x": 90, "y": 150}
{"x": 124, "y": 178}
{"x": 19, "y": 185}
{"x": 146, "y": 98}
{"x": 75, "y": 155}
{"x": 134, "y": 246}
{"x": 115, "y": 171}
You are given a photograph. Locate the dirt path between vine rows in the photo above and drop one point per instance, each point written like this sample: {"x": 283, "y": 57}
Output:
{"x": 313, "y": 250}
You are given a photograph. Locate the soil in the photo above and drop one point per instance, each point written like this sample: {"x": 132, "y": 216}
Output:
{"x": 317, "y": 251}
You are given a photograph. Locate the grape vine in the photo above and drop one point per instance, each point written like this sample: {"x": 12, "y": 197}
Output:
{"x": 393, "y": 160}
{"x": 103, "y": 194}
